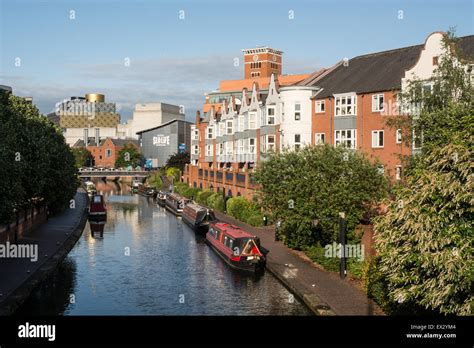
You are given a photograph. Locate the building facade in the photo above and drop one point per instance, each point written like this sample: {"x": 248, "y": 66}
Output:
{"x": 159, "y": 143}
{"x": 84, "y": 117}
{"x": 106, "y": 151}
{"x": 150, "y": 115}
{"x": 347, "y": 105}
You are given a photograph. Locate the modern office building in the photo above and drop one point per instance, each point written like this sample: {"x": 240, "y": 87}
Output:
{"x": 347, "y": 104}
{"x": 150, "y": 115}
{"x": 157, "y": 144}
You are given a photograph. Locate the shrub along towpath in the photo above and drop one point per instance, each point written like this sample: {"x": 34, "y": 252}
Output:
{"x": 55, "y": 238}
{"x": 322, "y": 291}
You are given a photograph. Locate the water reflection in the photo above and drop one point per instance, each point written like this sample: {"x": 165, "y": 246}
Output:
{"x": 166, "y": 262}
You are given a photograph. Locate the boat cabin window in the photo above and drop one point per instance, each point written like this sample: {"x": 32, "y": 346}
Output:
{"x": 97, "y": 199}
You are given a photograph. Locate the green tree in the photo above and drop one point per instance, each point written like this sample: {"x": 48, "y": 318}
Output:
{"x": 35, "y": 160}
{"x": 128, "y": 156}
{"x": 82, "y": 157}
{"x": 307, "y": 189}
{"x": 425, "y": 240}
{"x": 173, "y": 173}
{"x": 178, "y": 160}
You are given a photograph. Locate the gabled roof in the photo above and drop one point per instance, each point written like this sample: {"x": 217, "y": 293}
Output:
{"x": 375, "y": 72}
{"x": 382, "y": 71}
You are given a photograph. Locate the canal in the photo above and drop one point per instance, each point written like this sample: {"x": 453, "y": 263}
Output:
{"x": 146, "y": 261}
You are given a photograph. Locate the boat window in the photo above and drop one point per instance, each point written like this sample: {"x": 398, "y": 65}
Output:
{"x": 231, "y": 243}
{"x": 218, "y": 235}
{"x": 97, "y": 199}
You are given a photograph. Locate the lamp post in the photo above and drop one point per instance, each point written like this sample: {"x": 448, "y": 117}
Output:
{"x": 342, "y": 241}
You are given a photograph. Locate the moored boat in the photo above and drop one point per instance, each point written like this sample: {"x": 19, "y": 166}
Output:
{"x": 97, "y": 207}
{"x": 145, "y": 190}
{"x": 176, "y": 203}
{"x": 161, "y": 198}
{"x": 238, "y": 248}
{"x": 90, "y": 188}
{"x": 198, "y": 217}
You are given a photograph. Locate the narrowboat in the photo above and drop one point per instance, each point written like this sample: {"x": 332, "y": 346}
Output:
{"x": 176, "y": 203}
{"x": 238, "y": 248}
{"x": 145, "y": 190}
{"x": 97, "y": 207}
{"x": 161, "y": 198}
{"x": 198, "y": 217}
{"x": 90, "y": 188}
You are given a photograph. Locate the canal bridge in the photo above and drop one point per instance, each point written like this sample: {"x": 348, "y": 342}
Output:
{"x": 97, "y": 173}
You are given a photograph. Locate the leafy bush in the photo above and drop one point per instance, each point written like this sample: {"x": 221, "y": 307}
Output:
{"x": 238, "y": 207}
{"x": 203, "y": 196}
{"x": 316, "y": 183}
{"x": 173, "y": 173}
{"x": 216, "y": 201}
{"x": 255, "y": 220}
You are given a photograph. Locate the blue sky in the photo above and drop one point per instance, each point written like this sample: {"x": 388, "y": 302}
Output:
{"x": 177, "y": 60}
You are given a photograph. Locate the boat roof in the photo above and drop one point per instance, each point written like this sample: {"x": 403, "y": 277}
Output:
{"x": 195, "y": 206}
{"x": 232, "y": 230}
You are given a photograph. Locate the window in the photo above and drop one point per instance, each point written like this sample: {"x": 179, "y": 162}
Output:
{"x": 297, "y": 111}
{"x": 240, "y": 146}
{"x": 377, "y": 103}
{"x": 398, "y": 172}
{"x": 196, "y": 150}
{"x": 221, "y": 149}
{"x": 209, "y": 131}
{"x": 435, "y": 60}
{"x": 252, "y": 120}
{"x": 229, "y": 127}
{"x": 252, "y": 145}
{"x": 346, "y": 138}
{"x": 297, "y": 141}
{"x": 221, "y": 128}
{"x": 195, "y": 134}
{"x": 320, "y": 138}
{"x": 377, "y": 138}
{"x": 381, "y": 169}
{"x": 345, "y": 106}
{"x": 228, "y": 147}
{"x": 267, "y": 143}
{"x": 209, "y": 150}
{"x": 270, "y": 115}
{"x": 320, "y": 107}
{"x": 398, "y": 136}
{"x": 108, "y": 153}
{"x": 241, "y": 123}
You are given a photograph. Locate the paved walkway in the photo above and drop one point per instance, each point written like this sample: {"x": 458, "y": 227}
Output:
{"x": 54, "y": 239}
{"x": 324, "y": 292}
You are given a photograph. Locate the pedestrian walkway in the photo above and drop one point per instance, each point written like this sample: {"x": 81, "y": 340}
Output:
{"x": 54, "y": 239}
{"x": 324, "y": 292}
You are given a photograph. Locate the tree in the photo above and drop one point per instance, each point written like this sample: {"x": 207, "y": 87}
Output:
{"x": 425, "y": 240}
{"x": 173, "y": 173}
{"x": 128, "y": 156}
{"x": 307, "y": 189}
{"x": 35, "y": 161}
{"x": 82, "y": 157}
{"x": 178, "y": 160}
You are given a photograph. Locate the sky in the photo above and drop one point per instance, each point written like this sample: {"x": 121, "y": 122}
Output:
{"x": 140, "y": 51}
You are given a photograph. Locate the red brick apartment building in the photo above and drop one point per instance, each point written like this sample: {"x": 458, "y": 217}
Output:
{"x": 105, "y": 153}
{"x": 347, "y": 104}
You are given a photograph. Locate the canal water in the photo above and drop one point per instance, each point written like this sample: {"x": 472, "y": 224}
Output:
{"x": 146, "y": 261}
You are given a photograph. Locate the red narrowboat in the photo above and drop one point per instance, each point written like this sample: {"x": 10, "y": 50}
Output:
{"x": 238, "y": 248}
{"x": 97, "y": 207}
